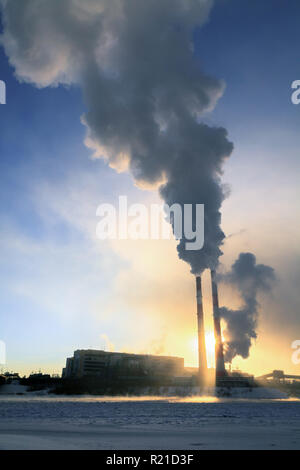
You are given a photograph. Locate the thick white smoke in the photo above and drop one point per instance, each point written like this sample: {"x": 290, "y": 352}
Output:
{"x": 144, "y": 90}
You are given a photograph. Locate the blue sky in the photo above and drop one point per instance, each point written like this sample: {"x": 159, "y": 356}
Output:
{"x": 58, "y": 284}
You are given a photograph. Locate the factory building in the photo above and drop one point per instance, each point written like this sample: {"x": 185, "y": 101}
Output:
{"x": 105, "y": 364}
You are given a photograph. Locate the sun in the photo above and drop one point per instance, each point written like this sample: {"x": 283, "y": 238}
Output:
{"x": 209, "y": 345}
{"x": 210, "y": 348}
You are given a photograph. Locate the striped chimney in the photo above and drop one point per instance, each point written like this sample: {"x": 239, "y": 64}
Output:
{"x": 220, "y": 365}
{"x": 202, "y": 363}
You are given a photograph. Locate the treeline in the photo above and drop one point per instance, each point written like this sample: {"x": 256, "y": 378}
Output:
{"x": 42, "y": 382}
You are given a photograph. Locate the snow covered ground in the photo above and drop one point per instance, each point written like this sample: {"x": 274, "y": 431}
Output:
{"x": 13, "y": 388}
{"x": 37, "y": 422}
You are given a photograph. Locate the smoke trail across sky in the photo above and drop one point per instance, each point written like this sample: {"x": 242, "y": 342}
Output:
{"x": 144, "y": 90}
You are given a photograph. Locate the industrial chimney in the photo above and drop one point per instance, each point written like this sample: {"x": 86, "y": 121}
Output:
{"x": 220, "y": 365}
{"x": 202, "y": 363}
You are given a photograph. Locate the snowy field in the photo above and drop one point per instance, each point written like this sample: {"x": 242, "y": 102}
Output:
{"x": 38, "y": 422}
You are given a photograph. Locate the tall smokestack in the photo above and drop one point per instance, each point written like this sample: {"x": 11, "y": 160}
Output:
{"x": 220, "y": 365}
{"x": 202, "y": 363}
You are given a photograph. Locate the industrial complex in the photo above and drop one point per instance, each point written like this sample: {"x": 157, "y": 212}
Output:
{"x": 108, "y": 365}
{"x": 116, "y": 365}
{"x": 103, "y": 372}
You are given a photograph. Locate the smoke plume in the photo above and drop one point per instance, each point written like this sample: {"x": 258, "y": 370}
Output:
{"x": 250, "y": 279}
{"x": 144, "y": 89}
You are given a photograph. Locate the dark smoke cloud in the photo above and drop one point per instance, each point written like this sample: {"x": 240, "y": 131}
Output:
{"x": 250, "y": 279}
{"x": 144, "y": 90}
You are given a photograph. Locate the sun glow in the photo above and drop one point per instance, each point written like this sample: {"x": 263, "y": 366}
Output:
{"x": 210, "y": 348}
{"x": 209, "y": 345}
